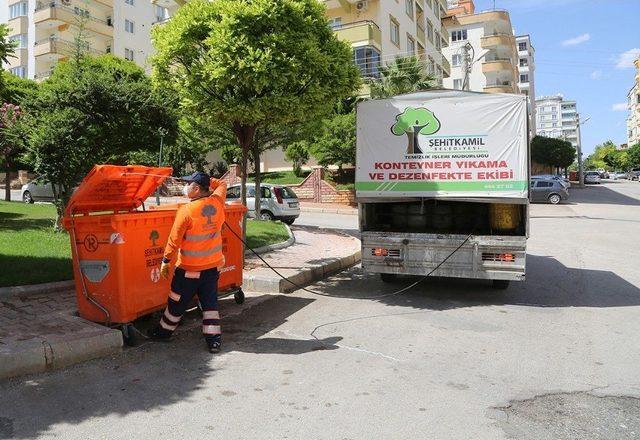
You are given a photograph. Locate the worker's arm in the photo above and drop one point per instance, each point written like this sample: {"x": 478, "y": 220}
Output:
{"x": 219, "y": 188}
{"x": 180, "y": 226}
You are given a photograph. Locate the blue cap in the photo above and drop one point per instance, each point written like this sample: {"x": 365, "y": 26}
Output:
{"x": 198, "y": 177}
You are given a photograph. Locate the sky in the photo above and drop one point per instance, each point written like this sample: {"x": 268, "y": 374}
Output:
{"x": 584, "y": 50}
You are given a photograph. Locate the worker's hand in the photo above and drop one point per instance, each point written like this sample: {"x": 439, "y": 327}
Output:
{"x": 164, "y": 270}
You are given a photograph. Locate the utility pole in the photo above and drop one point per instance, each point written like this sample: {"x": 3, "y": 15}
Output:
{"x": 466, "y": 66}
{"x": 162, "y": 132}
{"x": 579, "y": 153}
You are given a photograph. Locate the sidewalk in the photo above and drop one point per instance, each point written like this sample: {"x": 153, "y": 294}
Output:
{"x": 40, "y": 331}
{"x": 316, "y": 254}
{"x": 328, "y": 208}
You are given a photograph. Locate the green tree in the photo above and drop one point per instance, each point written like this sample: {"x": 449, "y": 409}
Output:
{"x": 403, "y": 75}
{"x": 17, "y": 90}
{"x": 94, "y": 110}
{"x": 617, "y": 160}
{"x": 412, "y": 122}
{"x": 247, "y": 64}
{"x": 7, "y": 48}
{"x": 633, "y": 155}
{"x": 10, "y": 142}
{"x": 551, "y": 151}
{"x": 298, "y": 153}
{"x": 336, "y": 142}
{"x": 596, "y": 159}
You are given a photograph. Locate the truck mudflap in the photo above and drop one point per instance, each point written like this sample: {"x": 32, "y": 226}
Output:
{"x": 483, "y": 257}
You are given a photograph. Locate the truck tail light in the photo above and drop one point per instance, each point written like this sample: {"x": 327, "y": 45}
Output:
{"x": 278, "y": 193}
{"x": 505, "y": 257}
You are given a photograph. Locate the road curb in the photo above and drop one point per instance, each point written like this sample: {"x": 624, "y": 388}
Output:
{"x": 36, "y": 289}
{"x": 346, "y": 211}
{"x": 276, "y": 246}
{"x": 54, "y": 352}
{"x": 266, "y": 281}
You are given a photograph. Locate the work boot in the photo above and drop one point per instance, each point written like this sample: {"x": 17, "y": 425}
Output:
{"x": 214, "y": 344}
{"x": 159, "y": 334}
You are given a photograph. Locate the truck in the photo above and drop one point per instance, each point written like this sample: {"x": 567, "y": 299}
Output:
{"x": 442, "y": 185}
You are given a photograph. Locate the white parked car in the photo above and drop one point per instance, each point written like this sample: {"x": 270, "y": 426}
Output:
{"x": 592, "y": 177}
{"x": 37, "y": 190}
{"x": 277, "y": 202}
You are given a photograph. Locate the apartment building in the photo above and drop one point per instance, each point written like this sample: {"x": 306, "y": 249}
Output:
{"x": 380, "y": 30}
{"x": 558, "y": 118}
{"x": 47, "y": 31}
{"x": 482, "y": 50}
{"x": 526, "y": 77}
{"x": 633, "y": 99}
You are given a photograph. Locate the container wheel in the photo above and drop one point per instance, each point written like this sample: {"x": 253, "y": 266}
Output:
{"x": 500, "y": 284}
{"x": 239, "y": 296}
{"x": 129, "y": 335}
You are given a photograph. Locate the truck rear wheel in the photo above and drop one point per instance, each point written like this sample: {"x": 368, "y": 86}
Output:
{"x": 500, "y": 284}
{"x": 388, "y": 277}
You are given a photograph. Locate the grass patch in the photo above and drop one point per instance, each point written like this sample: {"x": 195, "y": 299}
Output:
{"x": 281, "y": 177}
{"x": 263, "y": 233}
{"x": 32, "y": 253}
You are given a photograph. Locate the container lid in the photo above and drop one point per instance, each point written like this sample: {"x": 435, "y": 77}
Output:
{"x": 116, "y": 188}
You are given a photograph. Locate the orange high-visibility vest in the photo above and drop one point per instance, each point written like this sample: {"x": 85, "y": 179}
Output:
{"x": 197, "y": 233}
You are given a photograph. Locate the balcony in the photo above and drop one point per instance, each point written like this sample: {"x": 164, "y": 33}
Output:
{"x": 39, "y": 76}
{"x": 18, "y": 25}
{"x": 446, "y": 68}
{"x": 54, "y": 15}
{"x": 52, "y": 49}
{"x": 497, "y": 65}
{"x": 169, "y": 4}
{"x": 493, "y": 41}
{"x": 501, "y": 87}
{"x": 360, "y": 33}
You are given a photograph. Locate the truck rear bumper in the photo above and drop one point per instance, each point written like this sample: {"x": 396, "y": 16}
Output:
{"x": 482, "y": 257}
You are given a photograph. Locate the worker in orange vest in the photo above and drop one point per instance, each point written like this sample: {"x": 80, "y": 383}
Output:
{"x": 195, "y": 246}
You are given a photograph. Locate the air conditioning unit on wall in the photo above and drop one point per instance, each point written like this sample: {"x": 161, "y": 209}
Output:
{"x": 362, "y": 6}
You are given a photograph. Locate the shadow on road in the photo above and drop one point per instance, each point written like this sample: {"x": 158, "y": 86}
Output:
{"x": 147, "y": 377}
{"x": 598, "y": 194}
{"x": 549, "y": 284}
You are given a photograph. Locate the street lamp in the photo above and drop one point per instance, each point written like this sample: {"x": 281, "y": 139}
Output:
{"x": 579, "y": 151}
{"x": 162, "y": 132}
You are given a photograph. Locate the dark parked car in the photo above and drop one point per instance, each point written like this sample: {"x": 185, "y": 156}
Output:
{"x": 549, "y": 190}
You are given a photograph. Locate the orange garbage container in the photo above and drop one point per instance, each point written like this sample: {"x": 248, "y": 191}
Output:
{"x": 117, "y": 245}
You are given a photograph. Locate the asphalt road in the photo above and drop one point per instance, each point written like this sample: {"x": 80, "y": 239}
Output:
{"x": 554, "y": 357}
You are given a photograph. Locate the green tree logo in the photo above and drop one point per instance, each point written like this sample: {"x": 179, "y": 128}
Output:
{"x": 414, "y": 121}
{"x": 209, "y": 211}
{"x": 153, "y": 237}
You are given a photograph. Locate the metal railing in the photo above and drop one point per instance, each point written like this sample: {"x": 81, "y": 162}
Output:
{"x": 72, "y": 45}
{"x": 341, "y": 27}
{"x": 43, "y": 74}
{"x": 79, "y": 12}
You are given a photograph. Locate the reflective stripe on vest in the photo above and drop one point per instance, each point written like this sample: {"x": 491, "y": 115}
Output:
{"x": 200, "y": 237}
{"x": 204, "y": 253}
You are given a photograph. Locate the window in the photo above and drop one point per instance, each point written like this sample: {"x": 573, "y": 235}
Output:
{"x": 129, "y": 2}
{"x": 128, "y": 54}
{"x": 395, "y": 32}
{"x": 265, "y": 192}
{"x": 431, "y": 66}
{"x": 438, "y": 46}
{"x": 429, "y": 30}
{"x": 18, "y": 10}
{"x": 456, "y": 60}
{"x": 335, "y": 22}
{"x": 524, "y": 78}
{"x": 233, "y": 192}
{"x": 438, "y": 12}
{"x": 524, "y": 62}
{"x": 367, "y": 59}
{"x": 522, "y": 46}
{"x": 161, "y": 13}
{"x": 408, "y": 8}
{"x": 20, "y": 71}
{"x": 460, "y": 35}
{"x": 411, "y": 46}
{"x": 554, "y": 116}
{"x": 20, "y": 40}
{"x": 128, "y": 26}
{"x": 429, "y": 4}
{"x": 457, "y": 84}
{"x": 420, "y": 51}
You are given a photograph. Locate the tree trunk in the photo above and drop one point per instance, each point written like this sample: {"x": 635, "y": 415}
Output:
{"x": 258, "y": 180}
{"x": 245, "y": 135}
{"x": 7, "y": 185}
